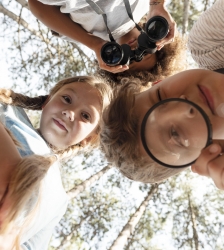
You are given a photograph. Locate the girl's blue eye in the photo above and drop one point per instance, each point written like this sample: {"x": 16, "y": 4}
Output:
{"x": 67, "y": 99}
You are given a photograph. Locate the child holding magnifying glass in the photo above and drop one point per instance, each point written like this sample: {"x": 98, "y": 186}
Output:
{"x": 121, "y": 136}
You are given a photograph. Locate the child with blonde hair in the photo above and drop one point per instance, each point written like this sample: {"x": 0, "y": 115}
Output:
{"x": 70, "y": 120}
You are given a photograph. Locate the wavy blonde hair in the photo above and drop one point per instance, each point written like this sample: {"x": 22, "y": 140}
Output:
{"x": 119, "y": 137}
{"x": 23, "y": 190}
{"x": 36, "y": 103}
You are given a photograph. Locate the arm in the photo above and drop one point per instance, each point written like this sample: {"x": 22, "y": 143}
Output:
{"x": 211, "y": 164}
{"x": 52, "y": 17}
{"x": 157, "y": 8}
{"x": 9, "y": 156}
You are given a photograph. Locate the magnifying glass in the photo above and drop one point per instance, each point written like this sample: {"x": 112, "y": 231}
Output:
{"x": 174, "y": 131}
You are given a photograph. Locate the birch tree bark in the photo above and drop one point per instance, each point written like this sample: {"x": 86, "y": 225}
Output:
{"x": 38, "y": 34}
{"x": 81, "y": 187}
{"x": 128, "y": 229}
{"x": 20, "y": 21}
{"x": 186, "y": 15}
{"x": 193, "y": 221}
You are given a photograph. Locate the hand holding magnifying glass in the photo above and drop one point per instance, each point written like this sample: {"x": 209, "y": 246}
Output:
{"x": 211, "y": 164}
{"x": 177, "y": 133}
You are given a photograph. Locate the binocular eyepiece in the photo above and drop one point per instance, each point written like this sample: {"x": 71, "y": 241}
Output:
{"x": 114, "y": 54}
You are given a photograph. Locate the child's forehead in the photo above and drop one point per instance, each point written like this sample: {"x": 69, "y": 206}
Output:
{"x": 79, "y": 86}
{"x": 75, "y": 84}
{"x": 82, "y": 88}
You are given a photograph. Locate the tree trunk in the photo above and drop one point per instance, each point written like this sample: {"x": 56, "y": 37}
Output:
{"x": 68, "y": 237}
{"x": 186, "y": 15}
{"x": 81, "y": 187}
{"x": 128, "y": 229}
{"x": 20, "y": 21}
{"x": 38, "y": 34}
{"x": 192, "y": 215}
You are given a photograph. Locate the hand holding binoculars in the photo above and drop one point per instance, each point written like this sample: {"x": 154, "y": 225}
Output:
{"x": 114, "y": 54}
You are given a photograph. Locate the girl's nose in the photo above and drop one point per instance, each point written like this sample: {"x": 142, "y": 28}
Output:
{"x": 69, "y": 114}
{"x": 188, "y": 109}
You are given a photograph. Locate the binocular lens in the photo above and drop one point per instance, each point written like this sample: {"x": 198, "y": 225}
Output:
{"x": 111, "y": 53}
{"x": 157, "y": 28}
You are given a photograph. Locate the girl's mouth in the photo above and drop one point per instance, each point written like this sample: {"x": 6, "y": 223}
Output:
{"x": 207, "y": 97}
{"x": 60, "y": 125}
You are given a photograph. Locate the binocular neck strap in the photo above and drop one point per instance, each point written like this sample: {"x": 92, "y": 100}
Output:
{"x": 99, "y": 11}
{"x": 128, "y": 9}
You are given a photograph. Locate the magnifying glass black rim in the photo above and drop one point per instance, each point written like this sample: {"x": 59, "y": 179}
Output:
{"x": 143, "y": 125}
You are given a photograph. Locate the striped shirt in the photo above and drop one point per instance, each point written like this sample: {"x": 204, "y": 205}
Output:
{"x": 206, "y": 39}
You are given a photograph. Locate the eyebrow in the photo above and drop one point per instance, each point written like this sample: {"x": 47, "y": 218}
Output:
{"x": 72, "y": 90}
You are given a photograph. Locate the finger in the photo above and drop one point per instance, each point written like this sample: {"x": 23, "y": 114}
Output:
{"x": 220, "y": 142}
{"x": 216, "y": 171}
{"x": 121, "y": 70}
{"x": 110, "y": 68}
{"x": 172, "y": 30}
{"x": 160, "y": 47}
{"x": 168, "y": 39}
{"x": 208, "y": 154}
{"x": 170, "y": 36}
{"x": 115, "y": 69}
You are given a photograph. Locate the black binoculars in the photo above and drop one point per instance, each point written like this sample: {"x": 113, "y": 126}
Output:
{"x": 156, "y": 29}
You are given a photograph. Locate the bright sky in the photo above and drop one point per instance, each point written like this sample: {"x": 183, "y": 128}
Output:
{"x": 6, "y": 82}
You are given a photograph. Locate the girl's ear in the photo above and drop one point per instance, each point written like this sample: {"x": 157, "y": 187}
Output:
{"x": 47, "y": 100}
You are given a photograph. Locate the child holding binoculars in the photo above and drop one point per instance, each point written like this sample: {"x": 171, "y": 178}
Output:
{"x": 85, "y": 24}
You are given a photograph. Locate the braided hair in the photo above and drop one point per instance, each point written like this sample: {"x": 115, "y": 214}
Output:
{"x": 8, "y": 96}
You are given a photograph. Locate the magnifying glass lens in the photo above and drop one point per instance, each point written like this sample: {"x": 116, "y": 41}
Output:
{"x": 175, "y": 132}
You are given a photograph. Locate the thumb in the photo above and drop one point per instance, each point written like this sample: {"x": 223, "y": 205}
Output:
{"x": 220, "y": 143}
{"x": 207, "y": 155}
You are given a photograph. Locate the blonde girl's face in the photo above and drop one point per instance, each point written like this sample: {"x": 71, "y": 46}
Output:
{"x": 71, "y": 115}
